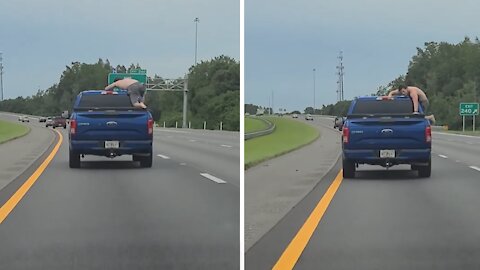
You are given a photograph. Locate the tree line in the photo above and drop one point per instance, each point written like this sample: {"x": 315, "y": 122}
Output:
{"x": 213, "y": 96}
{"x": 448, "y": 73}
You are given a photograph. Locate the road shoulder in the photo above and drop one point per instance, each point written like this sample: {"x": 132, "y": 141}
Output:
{"x": 274, "y": 187}
{"x": 18, "y": 155}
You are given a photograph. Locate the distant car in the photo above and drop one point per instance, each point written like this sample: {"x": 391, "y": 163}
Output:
{"x": 42, "y": 119}
{"x": 49, "y": 122}
{"x": 295, "y": 115}
{"x": 309, "y": 117}
{"x": 59, "y": 121}
{"x": 24, "y": 118}
{"x": 338, "y": 122}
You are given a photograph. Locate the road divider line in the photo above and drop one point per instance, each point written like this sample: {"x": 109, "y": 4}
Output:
{"x": 442, "y": 156}
{"x": 192, "y": 140}
{"x": 213, "y": 178}
{"x": 162, "y": 156}
{"x": 475, "y": 168}
{"x": 295, "y": 249}
{"x": 20, "y": 193}
{"x": 224, "y": 145}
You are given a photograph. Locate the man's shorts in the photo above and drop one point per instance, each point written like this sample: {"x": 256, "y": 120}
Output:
{"x": 136, "y": 92}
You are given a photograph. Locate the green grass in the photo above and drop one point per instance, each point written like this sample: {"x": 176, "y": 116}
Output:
{"x": 288, "y": 136}
{"x": 252, "y": 125}
{"x": 10, "y": 131}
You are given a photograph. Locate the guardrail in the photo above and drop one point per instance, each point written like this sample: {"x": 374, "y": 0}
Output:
{"x": 269, "y": 130}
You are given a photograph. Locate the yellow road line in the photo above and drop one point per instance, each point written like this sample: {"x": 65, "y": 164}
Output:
{"x": 291, "y": 254}
{"x": 15, "y": 199}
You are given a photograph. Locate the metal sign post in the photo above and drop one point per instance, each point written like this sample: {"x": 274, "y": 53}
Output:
{"x": 468, "y": 109}
{"x": 173, "y": 85}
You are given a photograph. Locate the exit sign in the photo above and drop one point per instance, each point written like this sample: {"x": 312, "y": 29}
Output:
{"x": 467, "y": 109}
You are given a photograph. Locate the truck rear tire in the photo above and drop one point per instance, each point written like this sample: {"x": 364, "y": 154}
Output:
{"x": 425, "y": 171}
{"x": 74, "y": 159}
{"x": 348, "y": 169}
{"x": 147, "y": 161}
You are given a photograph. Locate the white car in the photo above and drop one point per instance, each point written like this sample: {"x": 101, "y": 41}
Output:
{"x": 295, "y": 115}
{"x": 24, "y": 118}
{"x": 309, "y": 117}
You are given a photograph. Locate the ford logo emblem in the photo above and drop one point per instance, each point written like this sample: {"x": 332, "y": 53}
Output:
{"x": 387, "y": 130}
{"x": 111, "y": 123}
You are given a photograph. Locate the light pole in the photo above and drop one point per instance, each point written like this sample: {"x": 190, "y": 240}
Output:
{"x": 1, "y": 77}
{"x": 197, "y": 20}
{"x": 313, "y": 91}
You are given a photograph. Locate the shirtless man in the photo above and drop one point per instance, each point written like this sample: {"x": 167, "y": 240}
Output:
{"x": 135, "y": 89}
{"x": 418, "y": 97}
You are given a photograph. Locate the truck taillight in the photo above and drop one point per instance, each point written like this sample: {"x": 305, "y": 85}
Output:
{"x": 345, "y": 134}
{"x": 150, "y": 126}
{"x": 73, "y": 126}
{"x": 428, "y": 134}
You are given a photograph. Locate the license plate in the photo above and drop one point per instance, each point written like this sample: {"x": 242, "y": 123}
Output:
{"x": 112, "y": 144}
{"x": 387, "y": 153}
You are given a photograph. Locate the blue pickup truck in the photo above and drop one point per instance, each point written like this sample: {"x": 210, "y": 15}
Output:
{"x": 384, "y": 131}
{"x": 104, "y": 123}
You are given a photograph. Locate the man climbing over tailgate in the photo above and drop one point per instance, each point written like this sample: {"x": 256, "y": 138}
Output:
{"x": 418, "y": 97}
{"x": 135, "y": 89}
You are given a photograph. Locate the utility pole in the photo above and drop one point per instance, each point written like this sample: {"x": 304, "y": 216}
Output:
{"x": 313, "y": 91}
{"x": 197, "y": 20}
{"x": 272, "y": 103}
{"x": 1, "y": 77}
{"x": 340, "y": 74}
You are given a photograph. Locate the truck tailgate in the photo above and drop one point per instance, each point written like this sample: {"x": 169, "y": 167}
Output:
{"x": 387, "y": 133}
{"x": 112, "y": 125}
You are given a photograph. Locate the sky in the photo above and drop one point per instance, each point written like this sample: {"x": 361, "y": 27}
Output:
{"x": 286, "y": 40}
{"x": 39, "y": 39}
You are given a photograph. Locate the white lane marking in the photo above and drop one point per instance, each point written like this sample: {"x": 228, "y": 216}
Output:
{"x": 224, "y": 145}
{"x": 475, "y": 168}
{"x": 162, "y": 156}
{"x": 469, "y": 142}
{"x": 442, "y": 156}
{"x": 457, "y": 160}
{"x": 183, "y": 164}
{"x": 192, "y": 140}
{"x": 213, "y": 178}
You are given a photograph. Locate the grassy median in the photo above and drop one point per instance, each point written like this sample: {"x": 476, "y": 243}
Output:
{"x": 288, "y": 136}
{"x": 10, "y": 131}
{"x": 253, "y": 124}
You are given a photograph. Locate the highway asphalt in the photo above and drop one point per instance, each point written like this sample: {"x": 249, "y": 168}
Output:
{"x": 112, "y": 214}
{"x": 390, "y": 219}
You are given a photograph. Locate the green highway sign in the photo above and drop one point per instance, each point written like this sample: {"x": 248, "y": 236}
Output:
{"x": 468, "y": 109}
{"x": 141, "y": 77}
{"x": 138, "y": 71}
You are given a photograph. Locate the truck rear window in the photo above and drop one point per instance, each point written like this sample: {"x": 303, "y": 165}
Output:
{"x": 396, "y": 106}
{"x": 104, "y": 101}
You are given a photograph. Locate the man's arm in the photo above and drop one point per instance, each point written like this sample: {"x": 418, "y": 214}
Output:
{"x": 111, "y": 86}
{"x": 393, "y": 92}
